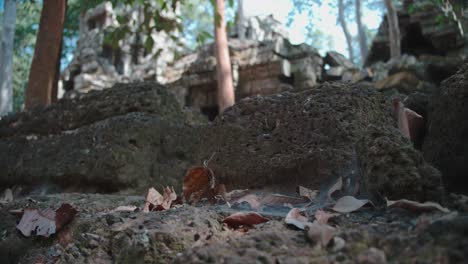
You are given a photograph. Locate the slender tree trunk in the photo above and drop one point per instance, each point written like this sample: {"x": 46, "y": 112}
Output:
{"x": 44, "y": 72}
{"x": 361, "y": 32}
{"x": 241, "y": 20}
{"x": 6, "y": 57}
{"x": 223, "y": 67}
{"x": 342, "y": 20}
{"x": 393, "y": 30}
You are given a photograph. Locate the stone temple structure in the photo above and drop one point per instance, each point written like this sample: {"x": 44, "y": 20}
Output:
{"x": 264, "y": 62}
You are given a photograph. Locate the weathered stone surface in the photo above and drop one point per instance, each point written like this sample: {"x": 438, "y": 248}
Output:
{"x": 122, "y": 138}
{"x": 131, "y": 151}
{"x": 379, "y": 151}
{"x": 446, "y": 144}
{"x": 146, "y": 97}
{"x": 311, "y": 137}
{"x": 308, "y": 138}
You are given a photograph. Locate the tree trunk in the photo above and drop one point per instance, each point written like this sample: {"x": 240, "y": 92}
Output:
{"x": 393, "y": 30}
{"x": 241, "y": 20}
{"x": 6, "y": 57}
{"x": 44, "y": 72}
{"x": 223, "y": 66}
{"x": 361, "y": 32}
{"x": 342, "y": 20}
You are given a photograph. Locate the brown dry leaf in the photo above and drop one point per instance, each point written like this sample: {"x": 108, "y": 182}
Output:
{"x": 308, "y": 193}
{"x": 322, "y": 217}
{"x": 348, "y": 204}
{"x": 40, "y": 222}
{"x": 64, "y": 215}
{"x": 417, "y": 206}
{"x": 244, "y": 219}
{"x": 157, "y": 202}
{"x": 8, "y": 197}
{"x": 320, "y": 233}
{"x": 199, "y": 182}
{"x": 295, "y": 218}
{"x": 251, "y": 199}
{"x": 338, "y": 185}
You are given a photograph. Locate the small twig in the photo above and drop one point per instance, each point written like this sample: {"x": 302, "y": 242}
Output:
{"x": 206, "y": 162}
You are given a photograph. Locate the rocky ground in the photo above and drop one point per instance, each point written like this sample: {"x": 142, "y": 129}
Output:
{"x": 196, "y": 234}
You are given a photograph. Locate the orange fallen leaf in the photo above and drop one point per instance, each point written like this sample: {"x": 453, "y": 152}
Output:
{"x": 295, "y": 218}
{"x": 322, "y": 217}
{"x": 199, "y": 182}
{"x": 244, "y": 219}
{"x": 417, "y": 206}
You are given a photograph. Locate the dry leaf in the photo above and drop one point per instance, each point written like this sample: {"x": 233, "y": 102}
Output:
{"x": 295, "y": 218}
{"x": 64, "y": 215}
{"x": 244, "y": 219}
{"x": 322, "y": 216}
{"x": 251, "y": 199}
{"x": 338, "y": 185}
{"x": 308, "y": 193}
{"x": 416, "y": 206}
{"x": 45, "y": 222}
{"x": 169, "y": 196}
{"x": 153, "y": 198}
{"x": 199, "y": 182}
{"x": 157, "y": 202}
{"x": 348, "y": 204}
{"x": 320, "y": 233}
{"x": 8, "y": 197}
{"x": 42, "y": 223}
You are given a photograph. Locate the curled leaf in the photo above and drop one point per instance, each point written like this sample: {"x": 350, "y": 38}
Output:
{"x": 417, "y": 206}
{"x": 244, "y": 219}
{"x": 348, "y": 204}
{"x": 199, "y": 182}
{"x": 157, "y": 202}
{"x": 295, "y": 218}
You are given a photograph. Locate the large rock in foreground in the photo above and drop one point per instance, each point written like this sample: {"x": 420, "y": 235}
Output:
{"x": 446, "y": 144}
{"x": 308, "y": 138}
{"x": 313, "y": 137}
{"x": 129, "y": 137}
